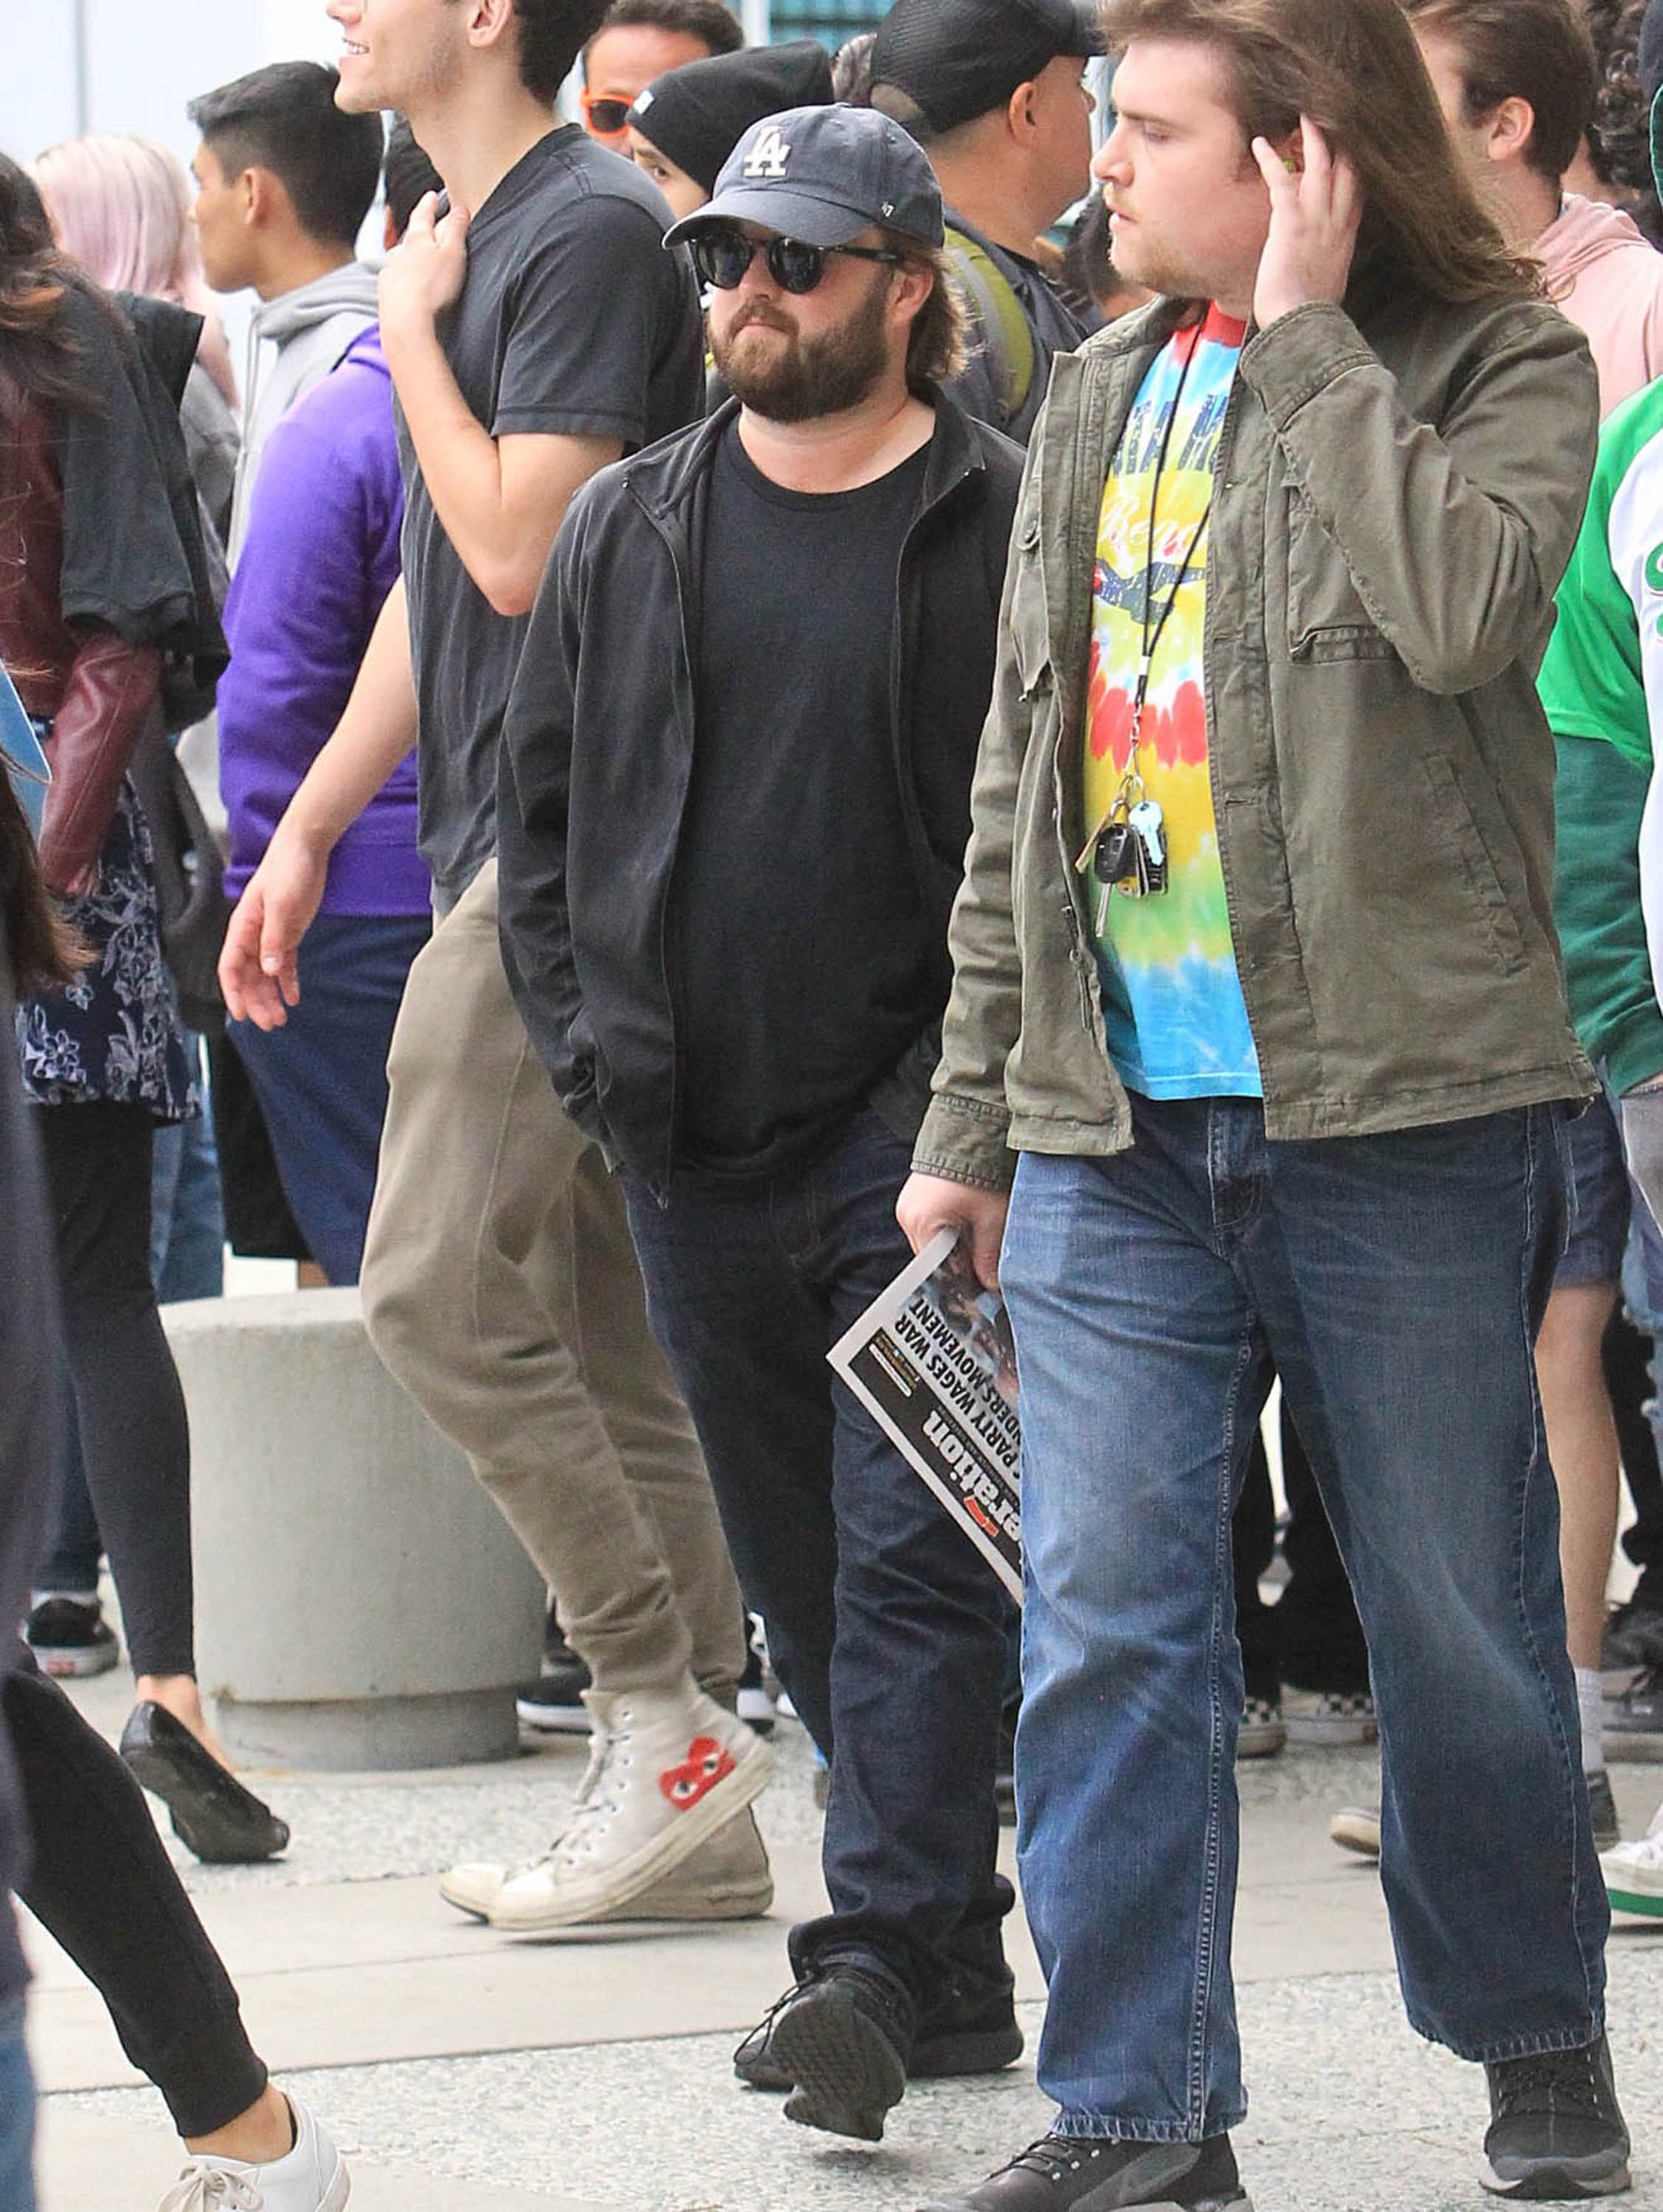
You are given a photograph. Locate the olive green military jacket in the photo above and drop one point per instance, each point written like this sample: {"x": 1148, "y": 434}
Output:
{"x": 1393, "y": 507}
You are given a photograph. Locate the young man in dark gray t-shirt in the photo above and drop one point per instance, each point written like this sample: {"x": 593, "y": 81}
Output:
{"x": 536, "y": 330}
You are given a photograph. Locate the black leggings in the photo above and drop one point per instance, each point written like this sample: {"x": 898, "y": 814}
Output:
{"x": 132, "y": 1411}
{"x": 105, "y": 1888}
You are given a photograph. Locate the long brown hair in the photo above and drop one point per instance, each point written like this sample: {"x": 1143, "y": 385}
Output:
{"x": 35, "y": 350}
{"x": 39, "y": 951}
{"x": 1354, "y": 68}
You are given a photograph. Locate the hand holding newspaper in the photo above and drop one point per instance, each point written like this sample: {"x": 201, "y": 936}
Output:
{"x": 934, "y": 1361}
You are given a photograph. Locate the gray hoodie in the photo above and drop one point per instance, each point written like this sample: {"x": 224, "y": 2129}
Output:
{"x": 294, "y": 341}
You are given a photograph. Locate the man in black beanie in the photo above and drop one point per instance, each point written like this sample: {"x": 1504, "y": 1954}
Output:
{"x": 993, "y": 91}
{"x": 687, "y": 122}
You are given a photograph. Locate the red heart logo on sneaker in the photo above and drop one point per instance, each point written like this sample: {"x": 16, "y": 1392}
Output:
{"x": 707, "y": 1763}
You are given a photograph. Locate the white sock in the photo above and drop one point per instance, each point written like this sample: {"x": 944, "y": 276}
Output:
{"x": 1591, "y": 1710}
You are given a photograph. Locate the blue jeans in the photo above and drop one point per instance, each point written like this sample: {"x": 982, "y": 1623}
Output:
{"x": 187, "y": 1220}
{"x": 1396, "y": 1283}
{"x": 321, "y": 1078}
{"x": 884, "y": 1621}
{"x": 17, "y": 2106}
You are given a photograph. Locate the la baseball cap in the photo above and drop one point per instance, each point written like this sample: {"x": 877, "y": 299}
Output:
{"x": 953, "y": 60}
{"x": 824, "y": 174}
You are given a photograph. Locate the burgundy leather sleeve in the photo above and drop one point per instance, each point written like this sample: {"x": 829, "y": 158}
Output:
{"x": 111, "y": 689}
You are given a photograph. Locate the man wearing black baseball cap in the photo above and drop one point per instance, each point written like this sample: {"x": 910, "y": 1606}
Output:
{"x": 733, "y": 804}
{"x": 993, "y": 91}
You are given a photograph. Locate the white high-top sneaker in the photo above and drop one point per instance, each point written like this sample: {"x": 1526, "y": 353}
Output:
{"x": 726, "y": 1879}
{"x": 666, "y": 1770}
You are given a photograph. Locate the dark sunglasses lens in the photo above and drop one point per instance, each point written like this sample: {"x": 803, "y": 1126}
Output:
{"x": 721, "y": 259}
{"x": 793, "y": 267}
{"x": 608, "y": 116}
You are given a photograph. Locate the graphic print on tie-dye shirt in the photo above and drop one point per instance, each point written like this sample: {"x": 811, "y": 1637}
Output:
{"x": 1172, "y": 1007}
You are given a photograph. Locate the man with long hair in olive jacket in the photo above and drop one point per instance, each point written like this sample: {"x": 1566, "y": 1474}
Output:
{"x": 1256, "y": 980}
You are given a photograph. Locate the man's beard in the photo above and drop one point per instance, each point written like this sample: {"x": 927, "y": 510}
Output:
{"x": 802, "y": 378}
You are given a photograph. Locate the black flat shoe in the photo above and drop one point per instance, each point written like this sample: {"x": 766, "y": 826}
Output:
{"x": 213, "y": 1815}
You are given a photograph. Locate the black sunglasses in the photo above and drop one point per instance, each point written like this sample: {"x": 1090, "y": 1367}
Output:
{"x": 723, "y": 257}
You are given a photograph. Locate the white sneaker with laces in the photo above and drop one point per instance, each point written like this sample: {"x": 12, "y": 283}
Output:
{"x": 310, "y": 2178}
{"x": 1634, "y": 1872}
{"x": 666, "y": 1770}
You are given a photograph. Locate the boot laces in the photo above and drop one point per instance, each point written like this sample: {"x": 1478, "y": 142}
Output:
{"x": 1553, "y": 2082}
{"x": 1052, "y": 2156}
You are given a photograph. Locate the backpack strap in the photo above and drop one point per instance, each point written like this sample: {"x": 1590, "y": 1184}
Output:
{"x": 1012, "y": 355}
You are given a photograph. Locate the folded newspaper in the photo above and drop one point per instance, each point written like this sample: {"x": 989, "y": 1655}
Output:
{"x": 934, "y": 1359}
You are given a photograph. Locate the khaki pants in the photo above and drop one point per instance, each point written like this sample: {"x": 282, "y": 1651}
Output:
{"x": 499, "y": 1286}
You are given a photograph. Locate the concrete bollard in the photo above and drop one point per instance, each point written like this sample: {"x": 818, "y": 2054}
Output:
{"x": 360, "y": 1603}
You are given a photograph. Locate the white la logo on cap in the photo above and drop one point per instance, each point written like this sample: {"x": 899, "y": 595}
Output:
{"x": 768, "y": 156}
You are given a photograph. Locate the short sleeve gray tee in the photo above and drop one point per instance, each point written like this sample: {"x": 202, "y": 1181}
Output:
{"x": 573, "y": 321}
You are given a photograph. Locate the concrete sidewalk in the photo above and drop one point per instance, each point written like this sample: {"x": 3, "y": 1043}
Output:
{"x": 467, "y": 2072}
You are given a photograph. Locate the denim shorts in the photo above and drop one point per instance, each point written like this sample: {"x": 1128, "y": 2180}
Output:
{"x": 1597, "y": 1202}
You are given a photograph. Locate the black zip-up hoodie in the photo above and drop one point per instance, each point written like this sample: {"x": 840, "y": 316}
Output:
{"x": 598, "y": 750}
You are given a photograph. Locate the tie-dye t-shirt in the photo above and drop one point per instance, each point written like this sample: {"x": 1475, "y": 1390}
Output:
{"x": 1172, "y": 1007}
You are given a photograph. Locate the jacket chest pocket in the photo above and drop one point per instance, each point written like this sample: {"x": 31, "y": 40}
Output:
{"x": 1326, "y": 617}
{"x": 1030, "y": 622}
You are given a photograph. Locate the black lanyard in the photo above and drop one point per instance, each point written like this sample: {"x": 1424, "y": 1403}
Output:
{"x": 1151, "y": 643}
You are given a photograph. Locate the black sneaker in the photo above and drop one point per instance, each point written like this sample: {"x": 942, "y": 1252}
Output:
{"x": 1555, "y": 2128}
{"x": 553, "y": 1704}
{"x": 843, "y": 2037}
{"x": 1634, "y": 1721}
{"x": 1633, "y": 1637}
{"x": 70, "y": 1637}
{"x": 1082, "y": 2173}
{"x": 956, "y": 2036}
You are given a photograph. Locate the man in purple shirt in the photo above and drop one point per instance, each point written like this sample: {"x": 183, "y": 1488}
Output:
{"x": 320, "y": 554}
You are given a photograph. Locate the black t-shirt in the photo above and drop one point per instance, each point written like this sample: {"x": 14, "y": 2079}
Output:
{"x": 575, "y": 322}
{"x": 800, "y": 951}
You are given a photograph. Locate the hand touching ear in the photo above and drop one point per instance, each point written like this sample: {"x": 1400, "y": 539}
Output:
{"x": 1314, "y": 214}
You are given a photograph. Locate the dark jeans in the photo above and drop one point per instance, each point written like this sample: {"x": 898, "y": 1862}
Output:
{"x": 105, "y": 1888}
{"x": 17, "y": 2106}
{"x": 128, "y": 1405}
{"x": 884, "y": 1621}
{"x": 1396, "y": 1283}
{"x": 1311, "y": 1638}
